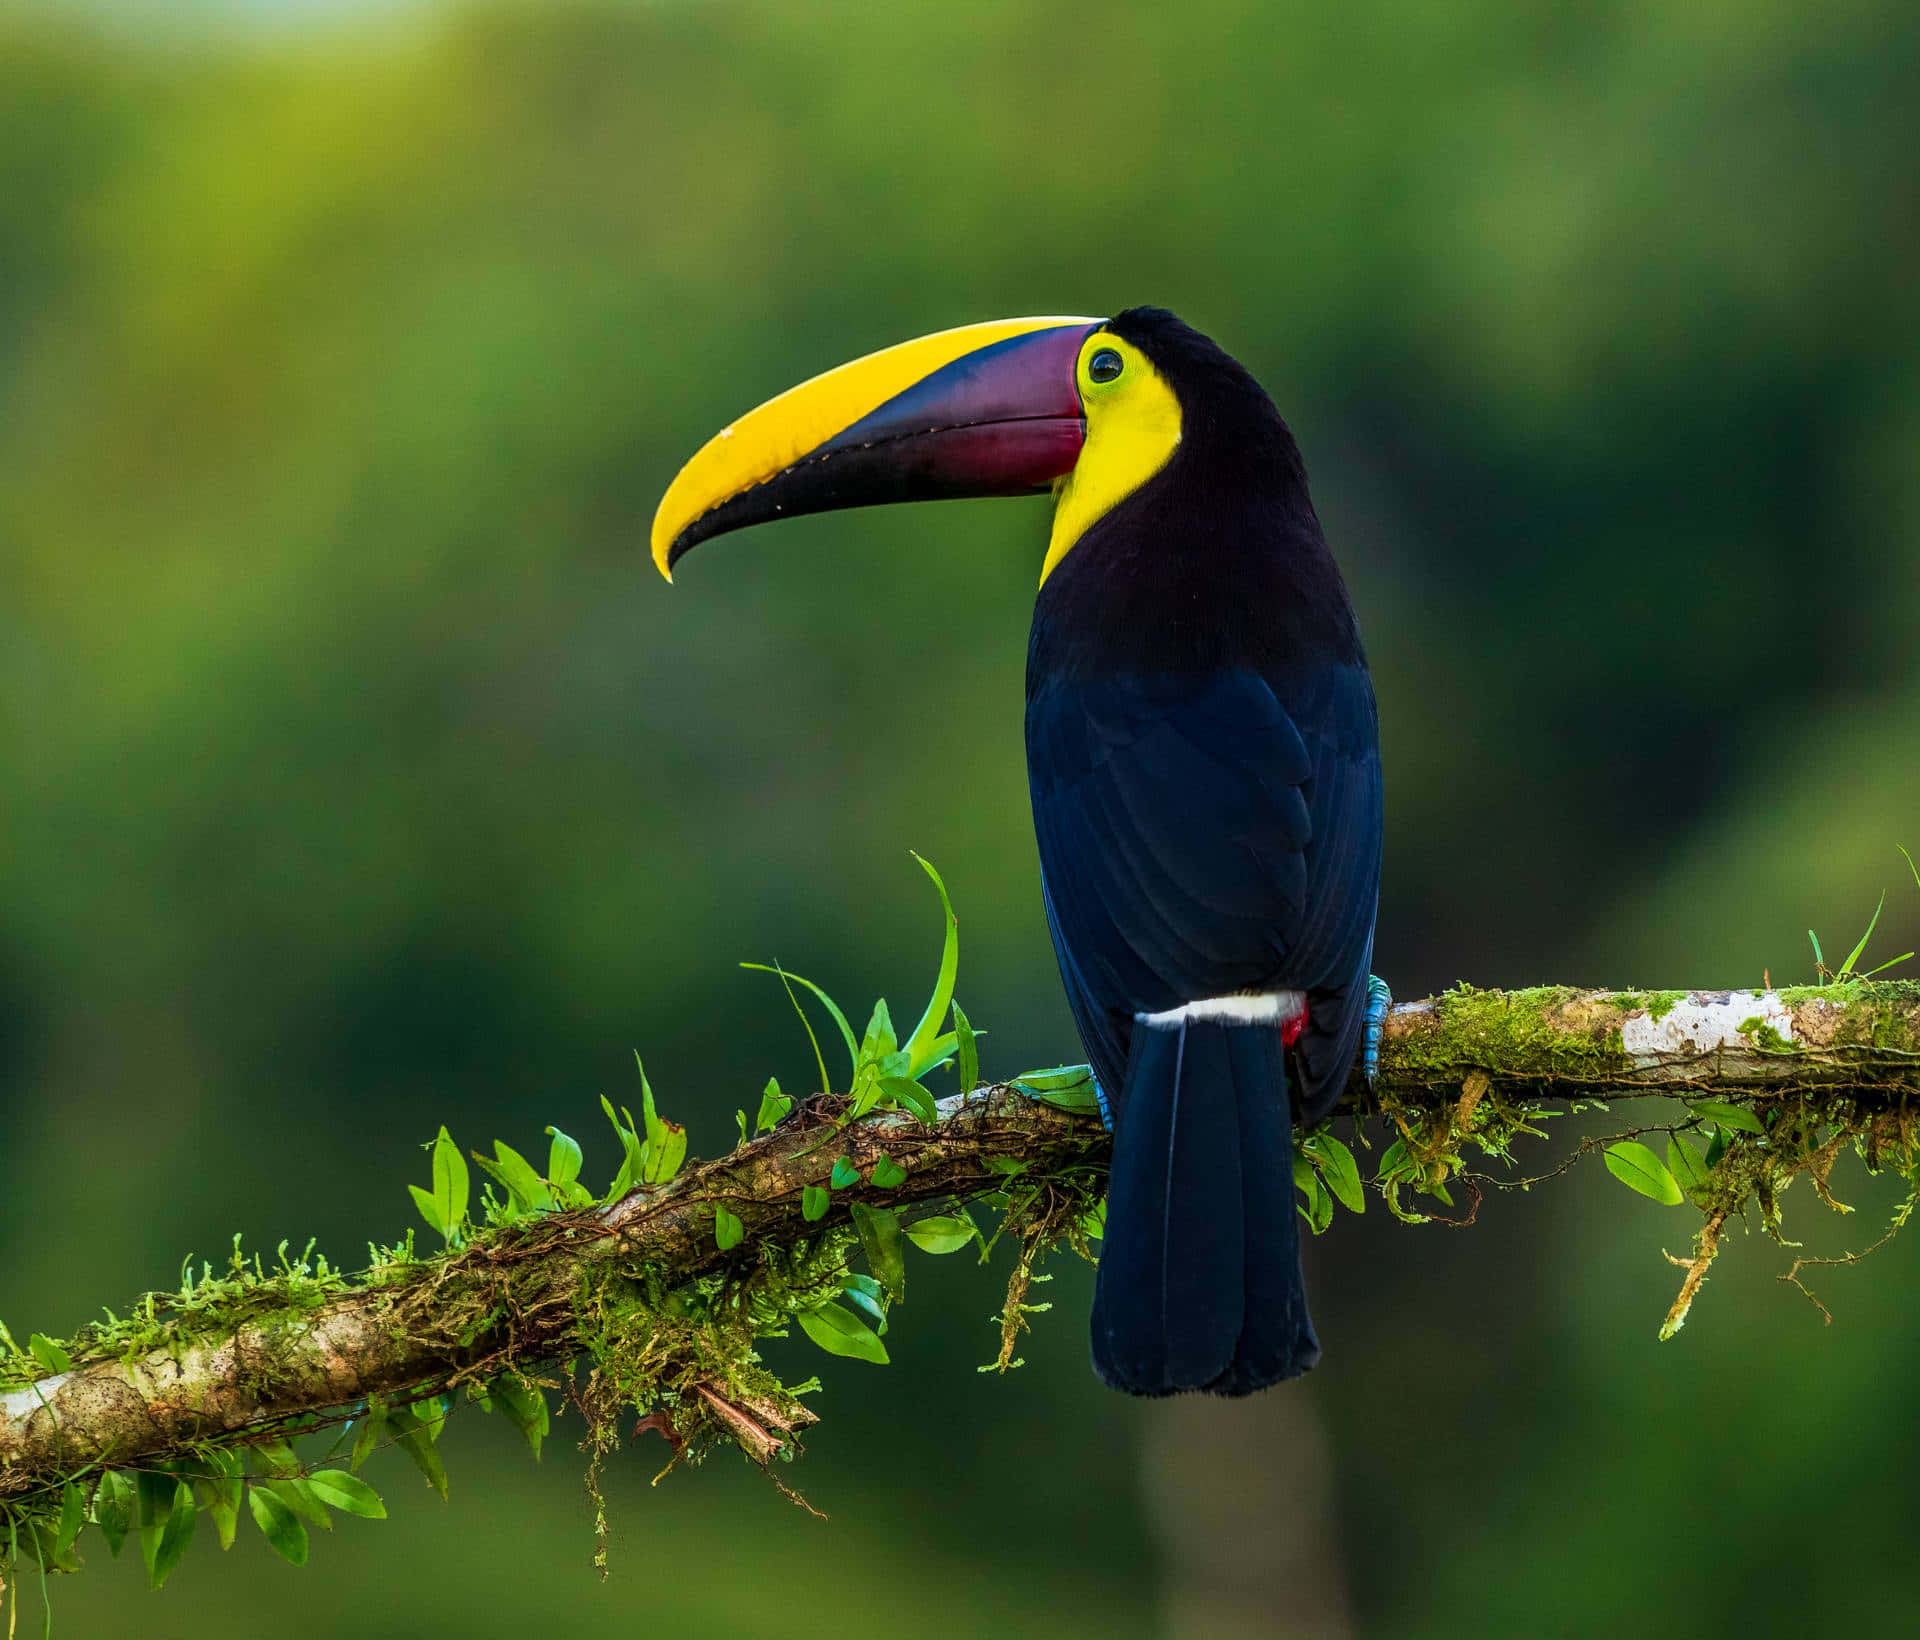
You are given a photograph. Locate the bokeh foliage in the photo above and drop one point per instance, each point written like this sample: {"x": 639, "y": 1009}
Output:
{"x": 360, "y": 776}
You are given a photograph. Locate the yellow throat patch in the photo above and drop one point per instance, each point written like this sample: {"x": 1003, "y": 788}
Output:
{"x": 1133, "y": 427}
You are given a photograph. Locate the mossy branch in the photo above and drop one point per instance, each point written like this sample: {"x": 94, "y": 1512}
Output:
{"x": 520, "y": 1297}
{"x": 662, "y": 1294}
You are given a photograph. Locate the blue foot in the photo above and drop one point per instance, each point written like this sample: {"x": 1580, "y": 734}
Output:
{"x": 1106, "y": 1113}
{"x": 1379, "y": 1000}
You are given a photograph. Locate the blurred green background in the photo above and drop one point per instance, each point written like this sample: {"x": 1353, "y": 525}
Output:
{"x": 360, "y": 774}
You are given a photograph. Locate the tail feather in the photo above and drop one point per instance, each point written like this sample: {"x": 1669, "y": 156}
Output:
{"x": 1199, "y": 1285}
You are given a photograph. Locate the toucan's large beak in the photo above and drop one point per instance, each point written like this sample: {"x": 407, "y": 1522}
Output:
{"x": 990, "y": 409}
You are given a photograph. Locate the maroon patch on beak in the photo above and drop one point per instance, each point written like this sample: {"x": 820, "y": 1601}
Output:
{"x": 1022, "y": 379}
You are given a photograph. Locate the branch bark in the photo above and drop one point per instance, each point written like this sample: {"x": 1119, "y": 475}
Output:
{"x": 516, "y": 1297}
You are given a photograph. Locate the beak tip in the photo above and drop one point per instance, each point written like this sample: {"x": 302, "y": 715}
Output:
{"x": 663, "y": 555}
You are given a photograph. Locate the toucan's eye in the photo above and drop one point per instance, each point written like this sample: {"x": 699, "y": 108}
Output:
{"x": 1105, "y": 365}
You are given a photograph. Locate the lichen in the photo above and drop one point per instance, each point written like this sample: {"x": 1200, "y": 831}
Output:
{"x": 1548, "y": 1034}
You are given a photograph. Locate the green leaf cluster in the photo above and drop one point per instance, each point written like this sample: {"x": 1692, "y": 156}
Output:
{"x": 1846, "y": 973}
{"x": 883, "y": 1072}
{"x": 652, "y": 1151}
{"x": 160, "y": 1506}
{"x": 1324, "y": 1171}
{"x": 1686, "y": 1174}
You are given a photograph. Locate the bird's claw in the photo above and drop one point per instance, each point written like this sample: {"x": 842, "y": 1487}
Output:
{"x": 1379, "y": 1000}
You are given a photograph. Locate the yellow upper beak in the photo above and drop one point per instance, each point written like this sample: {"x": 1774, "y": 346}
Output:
{"x": 955, "y": 413}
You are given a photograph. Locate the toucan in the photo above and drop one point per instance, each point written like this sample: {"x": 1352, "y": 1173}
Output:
{"x": 1203, "y": 757}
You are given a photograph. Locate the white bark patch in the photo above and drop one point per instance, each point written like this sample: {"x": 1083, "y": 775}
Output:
{"x": 1704, "y": 1022}
{"x": 20, "y": 1402}
{"x": 1257, "y": 1008}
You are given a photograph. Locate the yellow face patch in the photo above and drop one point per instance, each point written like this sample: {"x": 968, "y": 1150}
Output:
{"x": 1133, "y": 427}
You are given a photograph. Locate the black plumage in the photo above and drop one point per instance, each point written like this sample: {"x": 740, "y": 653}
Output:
{"x": 1204, "y": 761}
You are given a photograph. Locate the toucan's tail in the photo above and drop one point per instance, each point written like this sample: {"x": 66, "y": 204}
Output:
{"x": 1199, "y": 1285}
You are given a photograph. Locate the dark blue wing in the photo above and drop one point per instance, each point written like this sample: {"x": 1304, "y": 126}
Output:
{"x": 1204, "y": 836}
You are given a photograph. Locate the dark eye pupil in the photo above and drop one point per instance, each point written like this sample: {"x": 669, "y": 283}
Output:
{"x": 1105, "y": 365}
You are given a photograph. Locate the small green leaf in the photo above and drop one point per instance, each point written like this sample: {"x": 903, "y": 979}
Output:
{"x": 1067, "y": 1087}
{"x": 1716, "y": 1146}
{"x": 563, "y": 1158}
{"x": 740, "y": 1121}
{"x": 943, "y": 1233}
{"x": 222, "y": 1488}
{"x": 814, "y": 1202}
{"x": 728, "y": 1231}
{"x": 373, "y": 1425}
{"x": 528, "y": 1190}
{"x": 1317, "y": 1209}
{"x": 347, "y": 1493}
{"x": 838, "y": 1331}
{"x": 1846, "y": 968}
{"x": 664, "y": 1163}
{"x": 909, "y": 1095}
{"x": 888, "y": 1174}
{"x": 1393, "y": 1160}
{"x": 298, "y": 1495}
{"x": 633, "y": 1153}
{"x": 939, "y": 1051}
{"x": 73, "y": 1516}
{"x": 176, "y": 1536}
{"x": 920, "y": 1050}
{"x": 1639, "y": 1169}
{"x": 1340, "y": 1171}
{"x": 868, "y": 1295}
{"x": 1686, "y": 1166}
{"x": 429, "y": 1210}
{"x": 444, "y": 1207}
{"x": 666, "y": 1145}
{"x": 1007, "y": 1165}
{"x": 153, "y": 1494}
{"x": 49, "y": 1354}
{"x": 414, "y": 1437}
{"x": 879, "y": 1229}
{"x": 1093, "y": 1222}
{"x": 844, "y": 1173}
{"x": 274, "y": 1457}
{"x": 879, "y": 1041}
{"x": 113, "y": 1509}
{"x": 773, "y": 1106}
{"x": 969, "y": 1050}
{"x": 523, "y": 1405}
{"x": 1726, "y": 1115}
{"x": 450, "y": 1183}
{"x": 866, "y": 1091}
{"x": 278, "y": 1524}
{"x": 1054, "y": 1079}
